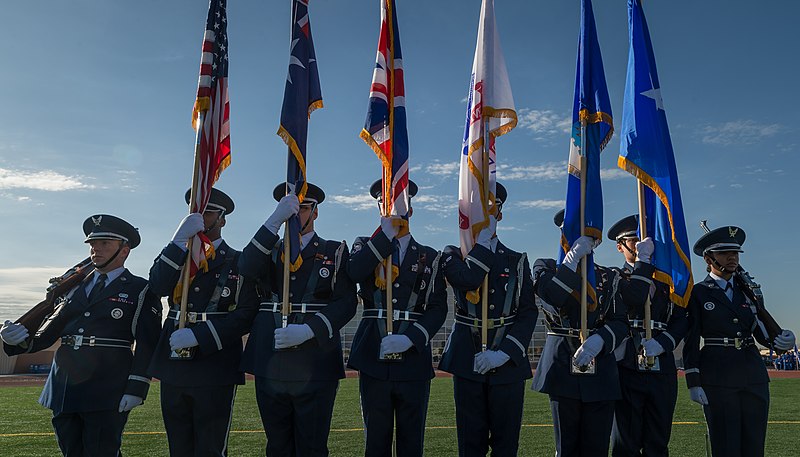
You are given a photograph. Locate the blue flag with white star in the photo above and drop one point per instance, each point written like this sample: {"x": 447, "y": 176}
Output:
{"x": 591, "y": 106}
{"x": 646, "y": 152}
{"x": 301, "y": 96}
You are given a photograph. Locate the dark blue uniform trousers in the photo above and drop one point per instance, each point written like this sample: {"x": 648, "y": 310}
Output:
{"x": 197, "y": 419}
{"x": 96, "y": 433}
{"x": 296, "y": 415}
{"x": 384, "y": 401}
{"x": 581, "y": 428}
{"x": 643, "y": 417}
{"x": 488, "y": 416}
{"x": 737, "y": 419}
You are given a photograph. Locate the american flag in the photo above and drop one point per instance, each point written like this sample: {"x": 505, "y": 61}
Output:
{"x": 385, "y": 129}
{"x": 210, "y": 117}
{"x": 301, "y": 96}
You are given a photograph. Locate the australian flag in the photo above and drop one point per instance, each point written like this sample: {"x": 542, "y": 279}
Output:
{"x": 385, "y": 129}
{"x": 301, "y": 96}
{"x": 646, "y": 152}
{"x": 591, "y": 107}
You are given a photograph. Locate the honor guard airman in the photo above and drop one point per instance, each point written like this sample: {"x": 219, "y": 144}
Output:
{"x": 489, "y": 384}
{"x": 582, "y": 401}
{"x": 643, "y": 416}
{"x": 295, "y": 352}
{"x": 96, "y": 378}
{"x": 394, "y": 360}
{"x": 198, "y": 365}
{"x": 727, "y": 375}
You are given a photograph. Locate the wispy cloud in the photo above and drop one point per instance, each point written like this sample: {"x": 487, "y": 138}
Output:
{"x": 541, "y": 204}
{"x": 611, "y": 174}
{"x": 544, "y": 172}
{"x": 442, "y": 205}
{"x": 544, "y": 123}
{"x": 742, "y": 131}
{"x": 359, "y": 202}
{"x": 22, "y": 288}
{"x": 443, "y": 168}
{"x": 47, "y": 180}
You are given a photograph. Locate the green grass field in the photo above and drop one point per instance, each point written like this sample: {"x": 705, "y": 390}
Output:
{"x": 25, "y": 429}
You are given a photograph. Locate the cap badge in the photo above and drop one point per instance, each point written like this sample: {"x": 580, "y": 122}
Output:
{"x": 97, "y": 220}
{"x": 732, "y": 231}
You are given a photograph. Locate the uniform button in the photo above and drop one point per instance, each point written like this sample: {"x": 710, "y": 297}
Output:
{"x": 506, "y": 270}
{"x": 735, "y": 320}
{"x": 491, "y": 291}
{"x": 80, "y": 330}
{"x": 738, "y": 333}
{"x": 491, "y": 306}
{"x": 292, "y": 277}
{"x": 87, "y": 314}
{"x": 197, "y": 289}
{"x": 222, "y": 252}
{"x": 191, "y": 305}
{"x": 291, "y": 294}
{"x": 396, "y": 285}
{"x": 394, "y": 300}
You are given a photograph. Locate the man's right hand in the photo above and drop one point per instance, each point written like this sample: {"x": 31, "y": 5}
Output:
{"x": 582, "y": 247}
{"x": 388, "y": 228}
{"x": 13, "y": 334}
{"x": 698, "y": 395}
{"x": 287, "y": 207}
{"x": 189, "y": 227}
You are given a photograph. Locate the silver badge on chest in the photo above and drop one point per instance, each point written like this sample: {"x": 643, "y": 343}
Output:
{"x": 709, "y": 306}
{"x": 324, "y": 272}
{"x": 116, "y": 313}
{"x": 226, "y": 292}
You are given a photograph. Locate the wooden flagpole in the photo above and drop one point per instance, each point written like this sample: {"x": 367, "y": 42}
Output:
{"x": 648, "y": 325}
{"x": 485, "y": 199}
{"x": 584, "y": 272}
{"x": 287, "y": 258}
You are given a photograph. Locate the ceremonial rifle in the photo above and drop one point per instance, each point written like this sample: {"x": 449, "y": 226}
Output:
{"x": 753, "y": 291}
{"x": 58, "y": 288}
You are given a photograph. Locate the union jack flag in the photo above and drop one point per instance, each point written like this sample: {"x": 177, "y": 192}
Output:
{"x": 301, "y": 96}
{"x": 385, "y": 130}
{"x": 210, "y": 117}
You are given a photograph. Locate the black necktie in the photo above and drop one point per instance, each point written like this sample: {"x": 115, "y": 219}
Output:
{"x": 98, "y": 287}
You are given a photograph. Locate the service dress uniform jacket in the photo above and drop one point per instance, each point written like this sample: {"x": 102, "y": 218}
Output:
{"x": 296, "y": 387}
{"x": 583, "y": 401}
{"x": 95, "y": 364}
{"x": 489, "y": 406}
{"x": 728, "y": 367}
{"x": 643, "y": 416}
{"x": 398, "y": 389}
{"x": 197, "y": 394}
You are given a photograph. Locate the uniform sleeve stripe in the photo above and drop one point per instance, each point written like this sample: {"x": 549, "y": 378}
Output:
{"x": 327, "y": 324}
{"x": 478, "y": 263}
{"x": 692, "y": 370}
{"x": 424, "y": 332}
{"x": 214, "y": 334}
{"x": 642, "y": 278}
{"x": 169, "y": 262}
{"x": 134, "y": 377}
{"x": 374, "y": 250}
{"x": 562, "y": 285}
{"x": 260, "y": 247}
{"x": 516, "y": 341}
{"x": 613, "y": 337}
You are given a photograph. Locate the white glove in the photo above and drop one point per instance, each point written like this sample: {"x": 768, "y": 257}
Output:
{"x": 489, "y": 360}
{"x": 13, "y": 334}
{"x": 485, "y": 236}
{"x": 644, "y": 250}
{"x": 785, "y": 341}
{"x": 698, "y": 395}
{"x": 182, "y": 338}
{"x": 292, "y": 335}
{"x": 189, "y": 227}
{"x": 652, "y": 348}
{"x": 129, "y": 402}
{"x": 395, "y": 344}
{"x": 287, "y": 207}
{"x": 389, "y": 229}
{"x": 582, "y": 247}
{"x": 589, "y": 350}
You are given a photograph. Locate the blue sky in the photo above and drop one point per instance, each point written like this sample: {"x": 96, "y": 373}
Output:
{"x": 98, "y": 95}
